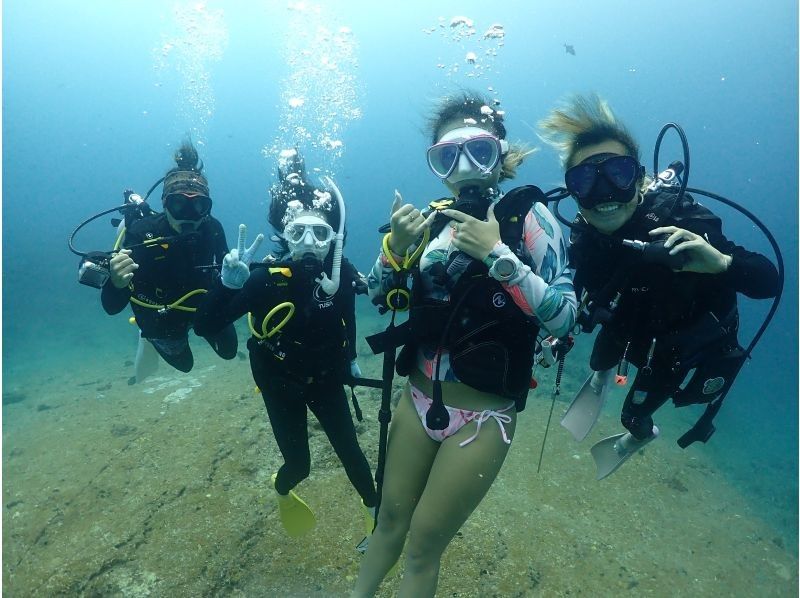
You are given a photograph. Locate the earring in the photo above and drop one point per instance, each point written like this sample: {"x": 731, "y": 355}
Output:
{"x": 641, "y": 199}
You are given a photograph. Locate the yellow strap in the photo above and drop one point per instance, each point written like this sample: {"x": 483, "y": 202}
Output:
{"x": 120, "y": 237}
{"x": 174, "y": 305}
{"x": 408, "y": 260}
{"x": 264, "y": 334}
{"x": 152, "y": 242}
{"x": 388, "y": 253}
{"x": 441, "y": 204}
{"x": 287, "y": 272}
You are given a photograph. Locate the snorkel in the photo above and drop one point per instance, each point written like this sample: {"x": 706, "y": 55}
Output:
{"x": 331, "y": 285}
{"x": 293, "y": 184}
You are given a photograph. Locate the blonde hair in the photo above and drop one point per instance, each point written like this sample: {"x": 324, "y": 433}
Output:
{"x": 516, "y": 154}
{"x": 584, "y": 120}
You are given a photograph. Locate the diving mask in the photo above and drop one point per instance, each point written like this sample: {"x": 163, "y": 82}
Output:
{"x": 308, "y": 234}
{"x": 187, "y": 206}
{"x": 482, "y": 150}
{"x": 604, "y": 178}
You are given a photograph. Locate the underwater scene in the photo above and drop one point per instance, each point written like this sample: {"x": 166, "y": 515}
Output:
{"x": 137, "y": 465}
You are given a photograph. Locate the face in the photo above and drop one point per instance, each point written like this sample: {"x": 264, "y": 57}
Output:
{"x": 308, "y": 236}
{"x": 186, "y": 211}
{"x": 610, "y": 216}
{"x": 484, "y": 151}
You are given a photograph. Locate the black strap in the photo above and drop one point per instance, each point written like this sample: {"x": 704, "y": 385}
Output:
{"x": 356, "y": 408}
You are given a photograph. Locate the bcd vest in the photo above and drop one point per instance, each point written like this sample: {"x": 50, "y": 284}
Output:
{"x": 489, "y": 339}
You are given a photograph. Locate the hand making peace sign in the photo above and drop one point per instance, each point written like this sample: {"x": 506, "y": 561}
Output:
{"x": 236, "y": 264}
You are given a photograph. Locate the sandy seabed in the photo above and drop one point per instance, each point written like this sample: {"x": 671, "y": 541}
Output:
{"x": 162, "y": 489}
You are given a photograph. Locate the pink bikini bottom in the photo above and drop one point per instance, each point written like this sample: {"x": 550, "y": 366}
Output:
{"x": 459, "y": 418}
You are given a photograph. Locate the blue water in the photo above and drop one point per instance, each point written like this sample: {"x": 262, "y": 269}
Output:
{"x": 96, "y": 96}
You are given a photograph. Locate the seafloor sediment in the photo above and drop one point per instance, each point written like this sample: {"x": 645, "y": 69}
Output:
{"x": 162, "y": 489}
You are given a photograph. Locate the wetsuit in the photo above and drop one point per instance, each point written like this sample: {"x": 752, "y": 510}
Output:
{"x": 303, "y": 365}
{"x": 680, "y": 320}
{"x": 168, "y": 270}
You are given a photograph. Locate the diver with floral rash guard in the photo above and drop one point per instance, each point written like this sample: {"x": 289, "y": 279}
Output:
{"x": 488, "y": 271}
{"x": 300, "y": 304}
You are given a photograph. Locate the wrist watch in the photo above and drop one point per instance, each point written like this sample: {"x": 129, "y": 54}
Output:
{"x": 504, "y": 268}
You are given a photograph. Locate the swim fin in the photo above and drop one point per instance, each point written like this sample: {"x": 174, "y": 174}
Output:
{"x": 369, "y": 525}
{"x": 296, "y": 516}
{"x": 610, "y": 453}
{"x": 146, "y": 363}
{"x": 585, "y": 408}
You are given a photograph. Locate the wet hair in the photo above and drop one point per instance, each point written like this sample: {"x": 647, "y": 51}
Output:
{"x": 186, "y": 157}
{"x": 186, "y": 176}
{"x": 293, "y": 192}
{"x": 470, "y": 105}
{"x": 584, "y": 120}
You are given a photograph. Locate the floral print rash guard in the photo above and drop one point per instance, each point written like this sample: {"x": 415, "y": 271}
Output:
{"x": 541, "y": 288}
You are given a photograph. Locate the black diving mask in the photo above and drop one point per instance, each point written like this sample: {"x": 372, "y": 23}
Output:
{"x": 188, "y": 206}
{"x": 604, "y": 178}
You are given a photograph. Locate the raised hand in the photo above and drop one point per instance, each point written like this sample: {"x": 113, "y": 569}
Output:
{"x": 122, "y": 268}
{"x": 236, "y": 264}
{"x": 407, "y": 224}
{"x": 474, "y": 237}
{"x": 355, "y": 371}
{"x": 701, "y": 256}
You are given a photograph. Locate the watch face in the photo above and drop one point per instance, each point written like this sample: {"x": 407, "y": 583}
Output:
{"x": 505, "y": 267}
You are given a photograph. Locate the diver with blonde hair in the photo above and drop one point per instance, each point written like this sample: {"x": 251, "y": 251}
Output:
{"x": 656, "y": 273}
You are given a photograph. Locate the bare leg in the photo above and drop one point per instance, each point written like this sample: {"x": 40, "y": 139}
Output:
{"x": 409, "y": 458}
{"x": 458, "y": 481}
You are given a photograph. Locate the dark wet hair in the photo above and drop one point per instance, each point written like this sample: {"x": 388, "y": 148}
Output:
{"x": 293, "y": 185}
{"x": 464, "y": 105}
{"x": 584, "y": 120}
{"x": 186, "y": 176}
{"x": 470, "y": 104}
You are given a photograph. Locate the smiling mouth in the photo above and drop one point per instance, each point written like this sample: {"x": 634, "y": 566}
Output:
{"x": 607, "y": 209}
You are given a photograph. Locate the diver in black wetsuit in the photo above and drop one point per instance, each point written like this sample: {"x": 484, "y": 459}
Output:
{"x": 302, "y": 348}
{"x": 659, "y": 276}
{"x": 162, "y": 271}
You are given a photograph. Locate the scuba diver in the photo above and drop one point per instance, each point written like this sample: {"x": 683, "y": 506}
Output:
{"x": 488, "y": 271}
{"x": 657, "y": 274}
{"x": 166, "y": 261}
{"x": 303, "y": 343}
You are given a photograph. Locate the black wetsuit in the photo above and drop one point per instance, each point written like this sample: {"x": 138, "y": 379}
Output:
{"x": 168, "y": 271}
{"x": 692, "y": 317}
{"x": 304, "y": 365}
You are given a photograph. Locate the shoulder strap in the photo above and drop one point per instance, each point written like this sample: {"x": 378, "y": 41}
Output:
{"x": 513, "y": 208}
{"x": 510, "y": 212}
{"x": 278, "y": 273}
{"x": 440, "y": 221}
